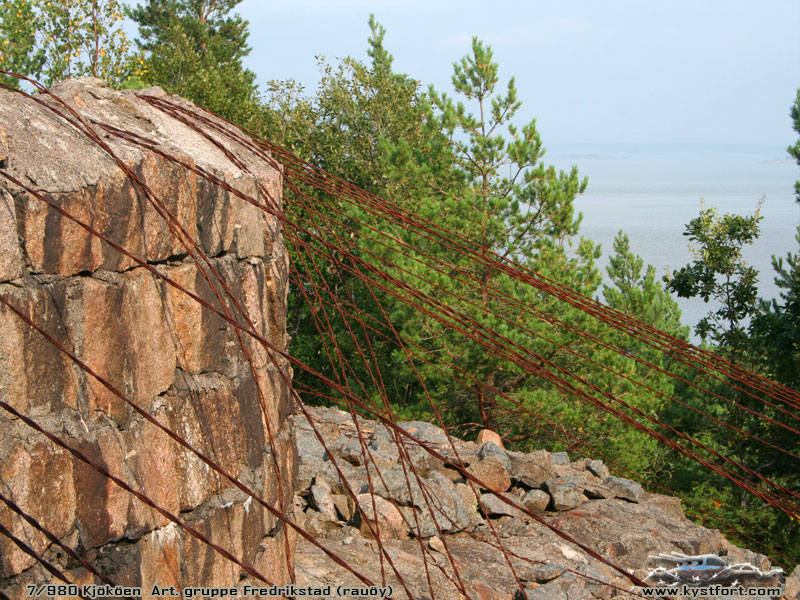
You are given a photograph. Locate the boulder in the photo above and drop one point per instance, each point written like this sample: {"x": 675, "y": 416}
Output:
{"x": 452, "y": 512}
{"x": 536, "y": 500}
{"x": 469, "y": 500}
{"x": 594, "y": 491}
{"x": 566, "y": 587}
{"x": 485, "y": 592}
{"x": 318, "y": 524}
{"x": 445, "y": 509}
{"x": 565, "y": 492}
{"x": 487, "y": 435}
{"x": 435, "y": 543}
{"x": 791, "y": 589}
{"x": 424, "y": 432}
{"x": 597, "y": 468}
{"x": 624, "y": 488}
{"x": 492, "y": 506}
{"x": 398, "y": 485}
{"x": 345, "y": 506}
{"x": 420, "y": 522}
{"x": 547, "y": 572}
{"x": 492, "y": 473}
{"x": 596, "y": 580}
{"x": 623, "y": 531}
{"x": 385, "y": 518}
{"x": 164, "y": 351}
{"x": 322, "y": 499}
{"x": 383, "y": 441}
{"x": 542, "y": 592}
{"x": 349, "y": 448}
{"x": 631, "y": 532}
{"x": 491, "y": 449}
{"x": 532, "y": 470}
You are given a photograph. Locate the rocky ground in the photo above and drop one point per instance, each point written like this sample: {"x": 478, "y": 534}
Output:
{"x": 462, "y": 539}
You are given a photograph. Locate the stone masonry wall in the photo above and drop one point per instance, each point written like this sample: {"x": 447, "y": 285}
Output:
{"x": 178, "y": 361}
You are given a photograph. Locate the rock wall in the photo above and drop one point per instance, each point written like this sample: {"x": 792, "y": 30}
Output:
{"x": 181, "y": 363}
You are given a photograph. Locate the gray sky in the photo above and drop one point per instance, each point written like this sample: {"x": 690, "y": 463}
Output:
{"x": 700, "y": 71}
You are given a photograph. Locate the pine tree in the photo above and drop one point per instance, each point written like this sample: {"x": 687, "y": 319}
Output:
{"x": 374, "y": 127}
{"x": 361, "y": 118}
{"x": 640, "y": 295}
{"x": 195, "y": 48}
{"x": 524, "y": 214}
{"x": 506, "y": 201}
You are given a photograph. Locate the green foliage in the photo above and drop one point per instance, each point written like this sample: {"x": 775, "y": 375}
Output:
{"x": 502, "y": 197}
{"x": 639, "y": 295}
{"x": 719, "y": 273}
{"x": 723, "y": 505}
{"x": 482, "y": 176}
{"x": 56, "y": 39}
{"x": 359, "y": 115}
{"x": 636, "y": 292}
{"x": 763, "y": 336}
{"x": 195, "y": 48}
{"x": 775, "y": 330}
{"x": 19, "y": 23}
{"x": 794, "y": 150}
{"x": 359, "y": 111}
{"x": 467, "y": 166}
{"x": 720, "y": 508}
{"x": 529, "y": 211}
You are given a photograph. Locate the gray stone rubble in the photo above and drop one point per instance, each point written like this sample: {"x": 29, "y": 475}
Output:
{"x": 436, "y": 513}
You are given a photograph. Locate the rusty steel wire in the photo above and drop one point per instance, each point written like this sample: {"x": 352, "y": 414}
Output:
{"x": 531, "y": 417}
{"x": 318, "y": 245}
{"x": 50, "y": 567}
{"x": 791, "y": 509}
{"x": 139, "y": 495}
{"x": 53, "y": 539}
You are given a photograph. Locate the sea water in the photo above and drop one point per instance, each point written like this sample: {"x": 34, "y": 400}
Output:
{"x": 652, "y": 193}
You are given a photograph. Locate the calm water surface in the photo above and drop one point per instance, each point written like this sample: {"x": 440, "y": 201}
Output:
{"x": 652, "y": 195}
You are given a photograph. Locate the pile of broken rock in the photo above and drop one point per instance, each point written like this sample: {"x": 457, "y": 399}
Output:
{"x": 435, "y": 524}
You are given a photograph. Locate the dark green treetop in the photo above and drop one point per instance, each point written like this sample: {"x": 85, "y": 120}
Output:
{"x": 195, "y": 48}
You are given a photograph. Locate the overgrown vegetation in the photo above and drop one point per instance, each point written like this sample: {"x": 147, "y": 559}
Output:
{"x": 51, "y": 40}
{"x": 464, "y": 162}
